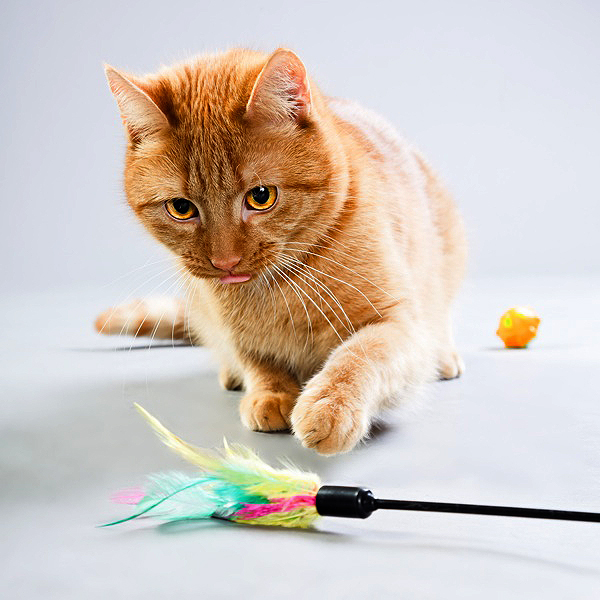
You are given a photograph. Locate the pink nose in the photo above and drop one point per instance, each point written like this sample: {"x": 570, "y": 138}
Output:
{"x": 227, "y": 263}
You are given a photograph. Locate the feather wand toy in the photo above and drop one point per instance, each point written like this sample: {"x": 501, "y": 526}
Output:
{"x": 237, "y": 486}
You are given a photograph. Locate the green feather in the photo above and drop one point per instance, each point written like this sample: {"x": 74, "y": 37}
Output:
{"x": 176, "y": 496}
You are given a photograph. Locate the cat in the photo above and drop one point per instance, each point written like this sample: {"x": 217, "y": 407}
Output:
{"x": 321, "y": 253}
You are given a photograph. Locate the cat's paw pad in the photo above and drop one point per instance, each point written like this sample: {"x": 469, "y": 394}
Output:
{"x": 229, "y": 380}
{"x": 451, "y": 365}
{"x": 267, "y": 411}
{"x": 327, "y": 423}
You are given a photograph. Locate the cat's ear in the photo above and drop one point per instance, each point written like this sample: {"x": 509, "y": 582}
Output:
{"x": 281, "y": 91}
{"x": 141, "y": 116}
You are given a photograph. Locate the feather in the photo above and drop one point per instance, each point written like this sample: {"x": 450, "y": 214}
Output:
{"x": 201, "y": 458}
{"x": 128, "y": 496}
{"x": 234, "y": 484}
{"x": 239, "y": 465}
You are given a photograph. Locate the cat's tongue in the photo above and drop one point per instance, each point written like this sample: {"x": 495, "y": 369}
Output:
{"x": 234, "y": 278}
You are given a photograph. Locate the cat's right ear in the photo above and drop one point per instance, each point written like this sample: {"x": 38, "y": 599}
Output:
{"x": 140, "y": 114}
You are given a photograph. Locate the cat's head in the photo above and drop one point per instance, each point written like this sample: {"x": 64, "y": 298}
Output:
{"x": 231, "y": 159}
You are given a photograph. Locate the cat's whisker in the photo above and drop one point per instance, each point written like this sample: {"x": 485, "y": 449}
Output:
{"x": 310, "y": 333}
{"x": 298, "y": 270}
{"x": 156, "y": 287}
{"x": 136, "y": 269}
{"x": 264, "y": 278}
{"x": 324, "y": 287}
{"x": 336, "y": 279}
{"x": 345, "y": 267}
{"x": 320, "y": 233}
{"x": 127, "y": 321}
{"x": 308, "y": 296}
{"x": 135, "y": 335}
{"x": 287, "y": 305}
{"x": 330, "y": 238}
{"x": 186, "y": 307}
{"x": 349, "y": 254}
{"x": 181, "y": 288}
{"x": 131, "y": 294}
{"x": 352, "y": 329}
{"x": 156, "y": 326}
{"x": 174, "y": 289}
{"x": 177, "y": 285}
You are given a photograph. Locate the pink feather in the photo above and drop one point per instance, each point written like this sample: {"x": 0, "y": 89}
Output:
{"x": 128, "y": 495}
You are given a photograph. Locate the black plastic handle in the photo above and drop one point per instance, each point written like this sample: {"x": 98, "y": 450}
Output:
{"x": 344, "y": 501}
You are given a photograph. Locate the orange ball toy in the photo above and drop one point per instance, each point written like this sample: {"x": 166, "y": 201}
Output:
{"x": 518, "y": 326}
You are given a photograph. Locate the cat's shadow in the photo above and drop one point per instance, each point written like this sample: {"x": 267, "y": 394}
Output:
{"x": 201, "y": 401}
{"x": 116, "y": 445}
{"x": 151, "y": 346}
{"x": 381, "y": 429}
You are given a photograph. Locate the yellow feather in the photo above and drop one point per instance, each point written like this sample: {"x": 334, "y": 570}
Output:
{"x": 197, "y": 456}
{"x": 239, "y": 465}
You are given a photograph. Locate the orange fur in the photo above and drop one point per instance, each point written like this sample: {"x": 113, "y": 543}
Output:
{"x": 353, "y": 270}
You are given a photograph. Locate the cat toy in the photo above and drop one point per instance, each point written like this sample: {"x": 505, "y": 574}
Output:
{"x": 518, "y": 326}
{"x": 236, "y": 485}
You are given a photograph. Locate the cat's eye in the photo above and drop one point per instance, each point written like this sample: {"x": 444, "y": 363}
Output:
{"x": 181, "y": 209}
{"x": 261, "y": 197}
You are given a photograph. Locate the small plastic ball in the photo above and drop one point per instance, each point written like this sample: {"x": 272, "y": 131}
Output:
{"x": 518, "y": 326}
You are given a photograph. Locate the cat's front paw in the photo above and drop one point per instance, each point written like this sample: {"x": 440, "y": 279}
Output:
{"x": 328, "y": 422}
{"x": 267, "y": 411}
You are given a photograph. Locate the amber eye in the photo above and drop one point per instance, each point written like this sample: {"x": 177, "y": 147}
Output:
{"x": 261, "y": 197}
{"x": 181, "y": 209}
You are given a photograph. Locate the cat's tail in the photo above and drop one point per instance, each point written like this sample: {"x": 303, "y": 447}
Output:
{"x": 158, "y": 318}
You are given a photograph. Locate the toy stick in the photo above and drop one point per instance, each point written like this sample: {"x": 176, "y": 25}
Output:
{"x": 237, "y": 486}
{"x": 341, "y": 501}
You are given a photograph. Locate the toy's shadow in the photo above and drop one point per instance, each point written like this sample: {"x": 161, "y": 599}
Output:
{"x": 193, "y": 525}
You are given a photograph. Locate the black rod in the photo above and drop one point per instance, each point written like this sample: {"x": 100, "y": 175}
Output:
{"x": 482, "y": 509}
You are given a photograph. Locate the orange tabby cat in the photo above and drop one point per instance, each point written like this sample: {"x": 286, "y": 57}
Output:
{"x": 321, "y": 252}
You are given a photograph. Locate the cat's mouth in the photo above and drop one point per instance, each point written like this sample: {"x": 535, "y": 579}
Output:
{"x": 224, "y": 276}
{"x": 230, "y": 278}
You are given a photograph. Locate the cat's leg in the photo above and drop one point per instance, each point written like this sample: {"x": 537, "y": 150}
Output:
{"x": 270, "y": 396}
{"x": 160, "y": 318}
{"x": 450, "y": 364}
{"x": 376, "y": 365}
{"x": 229, "y": 379}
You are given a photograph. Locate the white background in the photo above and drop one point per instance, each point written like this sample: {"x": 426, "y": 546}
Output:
{"x": 502, "y": 97}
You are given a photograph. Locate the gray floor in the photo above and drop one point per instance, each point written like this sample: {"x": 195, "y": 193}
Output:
{"x": 521, "y": 427}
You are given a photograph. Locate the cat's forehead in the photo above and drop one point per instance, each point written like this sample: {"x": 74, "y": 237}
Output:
{"x": 211, "y": 91}
{"x": 208, "y": 100}
{"x": 215, "y": 156}
{"x": 230, "y": 164}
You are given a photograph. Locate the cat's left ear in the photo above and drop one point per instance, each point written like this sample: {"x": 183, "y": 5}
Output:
{"x": 281, "y": 91}
{"x": 141, "y": 115}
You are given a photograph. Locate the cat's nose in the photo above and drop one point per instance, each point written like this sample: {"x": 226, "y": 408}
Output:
{"x": 225, "y": 263}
